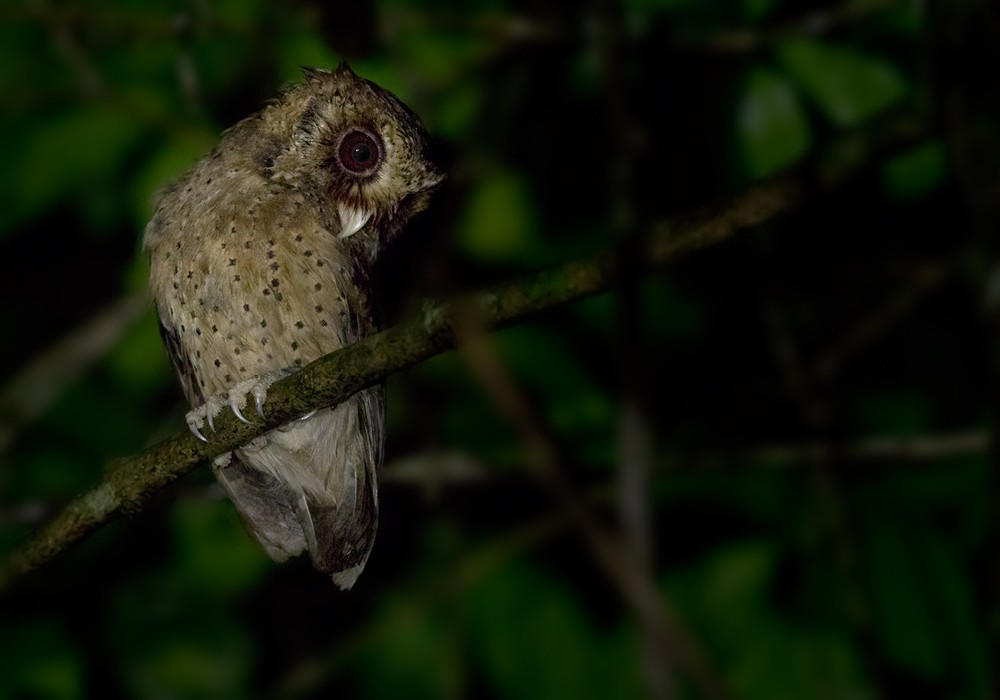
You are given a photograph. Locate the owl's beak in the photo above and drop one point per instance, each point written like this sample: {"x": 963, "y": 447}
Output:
{"x": 352, "y": 220}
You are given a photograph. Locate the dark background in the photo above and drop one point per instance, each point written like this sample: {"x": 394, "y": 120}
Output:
{"x": 804, "y": 413}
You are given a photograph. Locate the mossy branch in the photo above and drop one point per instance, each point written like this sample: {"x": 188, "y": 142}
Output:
{"x": 332, "y": 378}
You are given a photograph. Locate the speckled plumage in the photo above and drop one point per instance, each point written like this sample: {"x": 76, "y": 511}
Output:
{"x": 260, "y": 261}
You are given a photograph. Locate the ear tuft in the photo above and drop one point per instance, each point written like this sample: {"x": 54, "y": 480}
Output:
{"x": 314, "y": 74}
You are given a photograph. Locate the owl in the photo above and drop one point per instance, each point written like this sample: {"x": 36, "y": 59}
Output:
{"x": 261, "y": 260}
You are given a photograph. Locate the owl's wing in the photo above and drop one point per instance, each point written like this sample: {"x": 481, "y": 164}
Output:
{"x": 314, "y": 486}
{"x": 181, "y": 361}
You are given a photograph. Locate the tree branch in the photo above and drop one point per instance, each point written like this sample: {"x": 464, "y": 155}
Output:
{"x": 334, "y": 377}
{"x": 329, "y": 380}
{"x": 132, "y": 481}
{"x": 33, "y": 389}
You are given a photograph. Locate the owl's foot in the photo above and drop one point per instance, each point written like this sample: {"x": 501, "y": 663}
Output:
{"x": 206, "y": 413}
{"x": 236, "y": 400}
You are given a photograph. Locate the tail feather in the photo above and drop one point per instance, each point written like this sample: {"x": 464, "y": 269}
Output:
{"x": 266, "y": 507}
{"x": 314, "y": 487}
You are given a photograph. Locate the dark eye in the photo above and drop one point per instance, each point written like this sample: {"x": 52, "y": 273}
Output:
{"x": 359, "y": 152}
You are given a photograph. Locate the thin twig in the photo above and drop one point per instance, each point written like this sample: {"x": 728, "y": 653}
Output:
{"x": 916, "y": 450}
{"x": 486, "y": 26}
{"x": 831, "y": 509}
{"x": 815, "y": 23}
{"x": 674, "y": 646}
{"x": 448, "y": 468}
{"x": 657, "y": 640}
{"x": 33, "y": 389}
{"x": 923, "y": 281}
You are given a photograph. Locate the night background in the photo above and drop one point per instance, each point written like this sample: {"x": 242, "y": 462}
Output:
{"x": 766, "y": 470}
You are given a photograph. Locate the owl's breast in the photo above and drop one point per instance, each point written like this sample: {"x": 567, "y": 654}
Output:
{"x": 250, "y": 285}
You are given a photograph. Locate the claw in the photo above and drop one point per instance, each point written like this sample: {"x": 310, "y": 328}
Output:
{"x": 211, "y": 423}
{"x": 310, "y": 414}
{"x": 258, "y": 399}
{"x": 239, "y": 414}
{"x": 197, "y": 433}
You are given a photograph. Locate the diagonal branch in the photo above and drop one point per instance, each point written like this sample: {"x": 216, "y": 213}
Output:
{"x": 132, "y": 481}
{"x": 24, "y": 398}
{"x": 334, "y": 377}
{"x": 329, "y": 380}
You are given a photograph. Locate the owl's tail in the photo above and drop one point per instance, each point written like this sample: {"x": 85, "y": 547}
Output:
{"x": 314, "y": 486}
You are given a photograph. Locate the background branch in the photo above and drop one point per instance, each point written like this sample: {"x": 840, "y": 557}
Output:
{"x": 32, "y": 390}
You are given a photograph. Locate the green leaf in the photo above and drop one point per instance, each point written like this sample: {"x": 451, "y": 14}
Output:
{"x": 894, "y": 414}
{"x": 164, "y": 166}
{"x": 669, "y": 315}
{"x": 848, "y": 85}
{"x": 223, "y": 62}
{"x": 532, "y": 639}
{"x": 783, "y": 663}
{"x": 138, "y": 361}
{"x": 215, "y": 554}
{"x": 419, "y": 656}
{"x": 298, "y": 49}
{"x": 51, "y": 470}
{"x": 959, "y": 486}
{"x": 908, "y": 18}
{"x": 439, "y": 57}
{"x": 172, "y": 641}
{"x": 772, "y": 128}
{"x": 205, "y": 657}
{"x": 751, "y": 491}
{"x": 724, "y": 594}
{"x": 756, "y": 10}
{"x": 457, "y": 111}
{"x": 84, "y": 411}
{"x": 500, "y": 219}
{"x": 38, "y": 661}
{"x": 660, "y": 6}
{"x": 579, "y": 410}
{"x": 466, "y": 419}
{"x": 58, "y": 156}
{"x": 20, "y": 49}
{"x": 585, "y": 75}
{"x": 726, "y": 598}
{"x": 916, "y": 172}
{"x": 903, "y": 615}
{"x": 964, "y": 631}
{"x": 243, "y": 16}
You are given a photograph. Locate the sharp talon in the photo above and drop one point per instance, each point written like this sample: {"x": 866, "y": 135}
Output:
{"x": 211, "y": 424}
{"x": 197, "y": 433}
{"x": 238, "y": 414}
{"x": 310, "y": 414}
{"x": 259, "y": 400}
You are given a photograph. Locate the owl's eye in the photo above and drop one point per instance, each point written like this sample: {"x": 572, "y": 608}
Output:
{"x": 360, "y": 152}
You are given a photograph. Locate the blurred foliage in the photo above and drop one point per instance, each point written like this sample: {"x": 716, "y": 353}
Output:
{"x": 800, "y": 567}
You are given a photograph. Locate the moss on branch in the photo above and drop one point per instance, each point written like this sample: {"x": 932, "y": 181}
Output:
{"x": 331, "y": 379}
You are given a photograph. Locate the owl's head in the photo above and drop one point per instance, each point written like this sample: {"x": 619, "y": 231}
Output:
{"x": 358, "y": 145}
